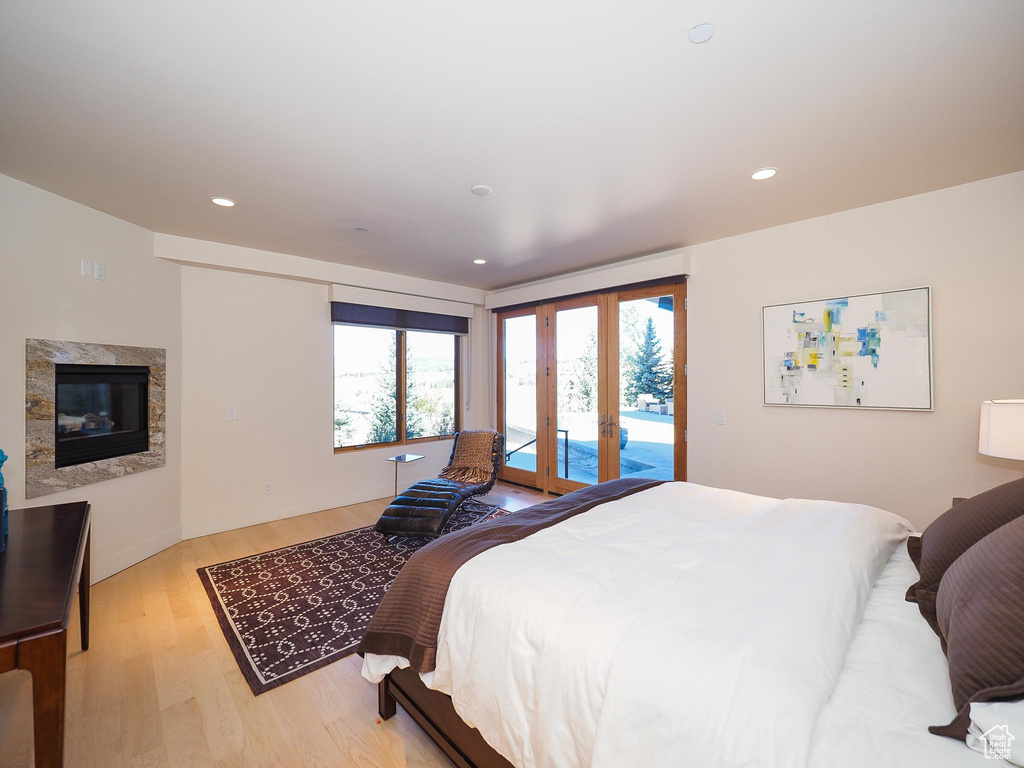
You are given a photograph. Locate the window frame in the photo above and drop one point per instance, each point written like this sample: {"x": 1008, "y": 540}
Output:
{"x": 400, "y": 395}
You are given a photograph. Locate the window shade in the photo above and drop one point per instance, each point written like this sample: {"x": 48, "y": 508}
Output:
{"x": 399, "y": 319}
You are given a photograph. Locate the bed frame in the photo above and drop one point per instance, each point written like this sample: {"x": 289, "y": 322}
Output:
{"x": 434, "y": 713}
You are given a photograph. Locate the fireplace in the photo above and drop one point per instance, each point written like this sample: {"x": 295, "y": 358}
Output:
{"x": 102, "y": 411}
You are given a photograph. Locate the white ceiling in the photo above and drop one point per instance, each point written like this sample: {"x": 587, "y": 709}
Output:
{"x": 604, "y": 132}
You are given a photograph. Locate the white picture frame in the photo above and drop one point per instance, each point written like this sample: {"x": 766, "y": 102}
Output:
{"x": 868, "y": 351}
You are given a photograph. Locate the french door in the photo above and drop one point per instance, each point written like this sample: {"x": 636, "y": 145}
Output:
{"x": 592, "y": 388}
{"x": 521, "y": 398}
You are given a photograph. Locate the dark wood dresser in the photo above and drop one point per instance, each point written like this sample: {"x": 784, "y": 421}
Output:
{"x": 47, "y": 557}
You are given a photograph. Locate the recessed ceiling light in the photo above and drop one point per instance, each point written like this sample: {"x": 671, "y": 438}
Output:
{"x": 479, "y": 261}
{"x": 226, "y": 202}
{"x": 701, "y": 33}
{"x": 361, "y": 230}
{"x": 763, "y": 173}
{"x": 481, "y": 189}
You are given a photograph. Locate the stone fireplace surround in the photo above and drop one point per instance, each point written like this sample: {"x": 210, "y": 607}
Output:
{"x": 41, "y": 355}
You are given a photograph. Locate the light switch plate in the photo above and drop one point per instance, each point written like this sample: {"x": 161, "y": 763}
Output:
{"x": 86, "y": 268}
{"x": 720, "y": 418}
{"x": 232, "y": 414}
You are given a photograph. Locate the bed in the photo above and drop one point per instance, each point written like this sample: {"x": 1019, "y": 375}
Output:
{"x": 679, "y": 625}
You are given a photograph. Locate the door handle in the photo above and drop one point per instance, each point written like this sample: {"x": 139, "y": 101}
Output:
{"x": 602, "y": 423}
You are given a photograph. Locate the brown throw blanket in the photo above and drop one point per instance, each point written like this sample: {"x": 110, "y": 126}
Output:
{"x": 409, "y": 617}
{"x": 473, "y": 461}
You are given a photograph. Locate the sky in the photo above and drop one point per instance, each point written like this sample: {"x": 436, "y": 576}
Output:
{"x": 364, "y": 350}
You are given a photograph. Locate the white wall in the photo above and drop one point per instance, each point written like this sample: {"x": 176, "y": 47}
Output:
{"x": 967, "y": 242}
{"x": 264, "y": 345}
{"x": 191, "y": 252}
{"x": 42, "y": 295}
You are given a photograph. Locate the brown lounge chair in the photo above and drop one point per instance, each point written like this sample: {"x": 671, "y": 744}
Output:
{"x": 424, "y": 508}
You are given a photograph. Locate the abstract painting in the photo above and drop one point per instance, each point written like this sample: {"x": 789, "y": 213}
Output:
{"x": 866, "y": 351}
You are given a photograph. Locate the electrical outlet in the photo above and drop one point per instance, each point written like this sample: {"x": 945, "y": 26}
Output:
{"x": 101, "y": 271}
{"x": 720, "y": 418}
{"x": 268, "y": 488}
{"x": 86, "y": 268}
{"x": 232, "y": 414}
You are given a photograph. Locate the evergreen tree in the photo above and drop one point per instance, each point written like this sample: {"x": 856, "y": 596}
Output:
{"x": 424, "y": 412}
{"x": 649, "y": 372}
{"x": 577, "y": 383}
{"x": 629, "y": 342}
{"x": 446, "y": 425}
{"x": 416, "y": 408}
{"x": 342, "y": 428}
{"x": 383, "y": 428}
{"x": 586, "y": 375}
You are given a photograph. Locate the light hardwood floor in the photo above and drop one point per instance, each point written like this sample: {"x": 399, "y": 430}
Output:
{"x": 159, "y": 686}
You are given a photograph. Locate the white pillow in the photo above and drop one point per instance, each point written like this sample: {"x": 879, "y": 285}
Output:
{"x": 997, "y": 731}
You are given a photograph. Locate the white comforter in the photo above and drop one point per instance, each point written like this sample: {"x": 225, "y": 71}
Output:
{"x": 894, "y": 684}
{"x": 681, "y": 626}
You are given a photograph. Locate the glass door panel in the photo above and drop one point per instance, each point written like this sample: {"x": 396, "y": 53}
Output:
{"x": 519, "y": 388}
{"x": 576, "y": 395}
{"x": 646, "y": 406}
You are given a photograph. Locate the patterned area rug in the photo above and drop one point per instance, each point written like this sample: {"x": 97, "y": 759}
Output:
{"x": 290, "y": 611}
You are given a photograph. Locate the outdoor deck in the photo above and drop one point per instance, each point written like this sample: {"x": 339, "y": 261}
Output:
{"x": 648, "y": 451}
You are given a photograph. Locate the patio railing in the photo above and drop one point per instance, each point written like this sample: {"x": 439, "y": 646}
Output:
{"x": 508, "y": 455}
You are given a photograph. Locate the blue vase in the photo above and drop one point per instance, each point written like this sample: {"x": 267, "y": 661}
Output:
{"x": 3, "y": 505}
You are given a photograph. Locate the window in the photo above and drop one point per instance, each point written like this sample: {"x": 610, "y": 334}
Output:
{"x": 393, "y": 386}
{"x": 429, "y": 384}
{"x": 365, "y": 386}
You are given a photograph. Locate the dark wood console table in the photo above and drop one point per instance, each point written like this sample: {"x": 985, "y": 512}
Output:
{"x": 47, "y": 556}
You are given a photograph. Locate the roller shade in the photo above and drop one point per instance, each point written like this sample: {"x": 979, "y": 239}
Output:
{"x": 399, "y": 319}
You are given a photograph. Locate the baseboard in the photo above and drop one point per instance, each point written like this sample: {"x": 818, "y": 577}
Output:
{"x": 108, "y": 566}
{"x": 270, "y": 514}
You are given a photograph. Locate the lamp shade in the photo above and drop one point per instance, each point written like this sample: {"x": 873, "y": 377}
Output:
{"x": 1002, "y": 429}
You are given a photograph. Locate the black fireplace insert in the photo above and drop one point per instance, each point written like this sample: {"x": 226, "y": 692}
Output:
{"x": 102, "y": 412}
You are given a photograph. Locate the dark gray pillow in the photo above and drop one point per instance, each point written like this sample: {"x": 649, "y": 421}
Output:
{"x": 981, "y": 623}
{"x": 957, "y": 531}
